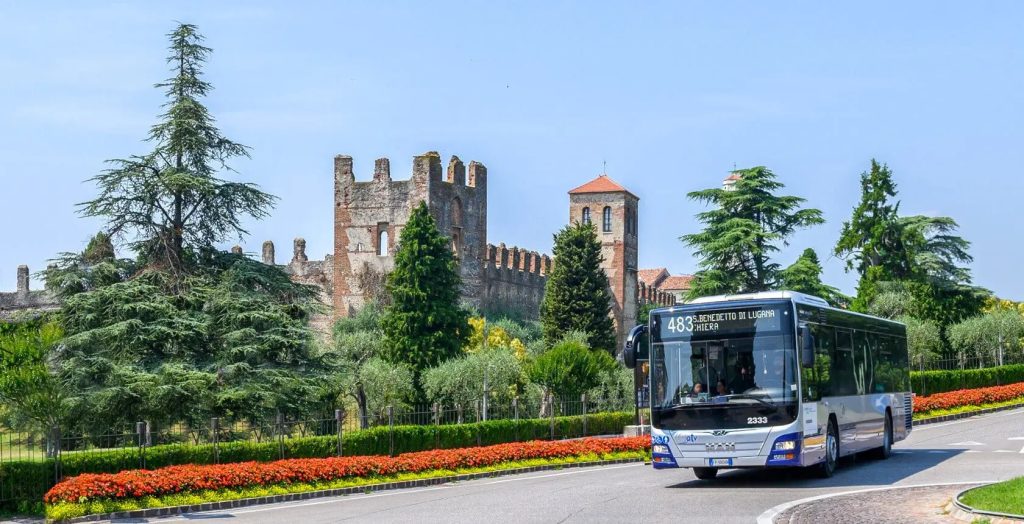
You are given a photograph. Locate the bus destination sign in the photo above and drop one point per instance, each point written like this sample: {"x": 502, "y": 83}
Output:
{"x": 720, "y": 322}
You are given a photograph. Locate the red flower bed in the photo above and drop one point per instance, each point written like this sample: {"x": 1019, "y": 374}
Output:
{"x": 968, "y": 397}
{"x": 178, "y": 479}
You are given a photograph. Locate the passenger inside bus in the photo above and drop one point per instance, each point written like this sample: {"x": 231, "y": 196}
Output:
{"x": 721, "y": 389}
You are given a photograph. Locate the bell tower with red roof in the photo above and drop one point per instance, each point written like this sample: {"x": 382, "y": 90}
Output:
{"x": 613, "y": 210}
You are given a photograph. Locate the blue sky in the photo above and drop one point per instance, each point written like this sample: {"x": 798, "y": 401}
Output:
{"x": 671, "y": 95}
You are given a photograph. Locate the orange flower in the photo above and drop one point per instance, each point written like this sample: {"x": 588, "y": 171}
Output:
{"x": 190, "y": 477}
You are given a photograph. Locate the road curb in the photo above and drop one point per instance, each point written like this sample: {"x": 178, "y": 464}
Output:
{"x": 968, "y": 414}
{"x": 967, "y": 513}
{"x": 290, "y": 497}
{"x": 768, "y": 517}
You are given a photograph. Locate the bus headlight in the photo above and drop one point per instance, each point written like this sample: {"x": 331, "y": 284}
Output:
{"x": 785, "y": 445}
{"x": 660, "y": 448}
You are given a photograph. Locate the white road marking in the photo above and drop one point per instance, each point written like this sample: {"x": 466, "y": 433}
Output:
{"x": 1004, "y": 451}
{"x": 938, "y": 451}
{"x": 1022, "y": 450}
{"x": 968, "y": 443}
{"x": 972, "y": 451}
{"x": 1015, "y": 438}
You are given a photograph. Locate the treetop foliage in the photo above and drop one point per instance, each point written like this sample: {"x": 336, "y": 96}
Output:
{"x": 804, "y": 276}
{"x": 169, "y": 201}
{"x": 746, "y": 225}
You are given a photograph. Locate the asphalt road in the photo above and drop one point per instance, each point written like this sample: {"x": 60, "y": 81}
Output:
{"x": 983, "y": 448}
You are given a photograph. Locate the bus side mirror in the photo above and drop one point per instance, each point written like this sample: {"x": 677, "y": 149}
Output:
{"x": 633, "y": 340}
{"x": 807, "y": 347}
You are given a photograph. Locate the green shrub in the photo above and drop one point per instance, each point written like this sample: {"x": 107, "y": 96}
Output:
{"x": 31, "y": 479}
{"x": 931, "y": 382}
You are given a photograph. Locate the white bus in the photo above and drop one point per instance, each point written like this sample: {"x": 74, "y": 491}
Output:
{"x": 772, "y": 379}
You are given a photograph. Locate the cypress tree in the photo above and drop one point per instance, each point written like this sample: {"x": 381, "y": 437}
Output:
{"x": 424, "y": 325}
{"x": 577, "y": 296}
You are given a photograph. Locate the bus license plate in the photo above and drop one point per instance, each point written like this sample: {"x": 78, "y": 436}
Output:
{"x": 719, "y": 462}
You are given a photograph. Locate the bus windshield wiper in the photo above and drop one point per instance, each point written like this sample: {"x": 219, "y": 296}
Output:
{"x": 752, "y": 397}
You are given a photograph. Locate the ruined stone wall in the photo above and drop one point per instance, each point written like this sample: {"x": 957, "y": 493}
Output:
{"x": 24, "y": 302}
{"x": 369, "y": 217}
{"x": 514, "y": 281}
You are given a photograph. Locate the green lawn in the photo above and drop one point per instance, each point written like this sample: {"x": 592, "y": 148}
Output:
{"x": 1003, "y": 497}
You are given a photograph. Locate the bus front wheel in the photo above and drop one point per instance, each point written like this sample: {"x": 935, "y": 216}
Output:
{"x": 705, "y": 473}
{"x": 828, "y": 466}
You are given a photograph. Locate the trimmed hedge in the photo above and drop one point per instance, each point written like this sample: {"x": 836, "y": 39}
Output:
{"x": 931, "y": 382}
{"x": 29, "y": 480}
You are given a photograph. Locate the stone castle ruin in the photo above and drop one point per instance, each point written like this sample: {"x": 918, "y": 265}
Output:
{"x": 368, "y": 220}
{"x": 369, "y": 217}
{"x": 25, "y": 302}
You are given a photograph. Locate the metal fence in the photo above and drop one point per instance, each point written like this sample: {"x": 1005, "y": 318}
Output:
{"x": 965, "y": 362}
{"x": 32, "y": 462}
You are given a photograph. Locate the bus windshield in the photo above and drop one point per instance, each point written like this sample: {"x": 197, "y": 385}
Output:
{"x": 739, "y": 356}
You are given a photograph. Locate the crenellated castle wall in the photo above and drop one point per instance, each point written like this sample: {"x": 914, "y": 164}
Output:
{"x": 25, "y": 302}
{"x": 514, "y": 281}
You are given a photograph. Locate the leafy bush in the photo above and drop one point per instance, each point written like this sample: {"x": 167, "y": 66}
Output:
{"x": 931, "y": 382}
{"x": 569, "y": 368}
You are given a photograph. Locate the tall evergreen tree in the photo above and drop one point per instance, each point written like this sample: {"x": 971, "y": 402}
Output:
{"x": 183, "y": 332}
{"x": 170, "y": 201}
{"x": 920, "y": 254}
{"x": 576, "y": 296}
{"x": 747, "y": 224}
{"x": 804, "y": 276}
{"x": 424, "y": 325}
{"x": 870, "y": 241}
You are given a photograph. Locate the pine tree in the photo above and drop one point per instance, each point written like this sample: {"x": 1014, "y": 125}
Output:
{"x": 745, "y": 227}
{"x": 169, "y": 202}
{"x": 182, "y": 332}
{"x": 576, "y": 296}
{"x": 424, "y": 325}
{"x": 804, "y": 276}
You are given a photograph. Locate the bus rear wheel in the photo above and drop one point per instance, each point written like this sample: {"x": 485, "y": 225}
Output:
{"x": 705, "y": 473}
{"x": 885, "y": 451}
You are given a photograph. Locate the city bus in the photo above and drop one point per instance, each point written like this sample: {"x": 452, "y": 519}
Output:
{"x": 771, "y": 379}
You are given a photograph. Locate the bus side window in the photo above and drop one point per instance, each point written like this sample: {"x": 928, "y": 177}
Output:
{"x": 882, "y": 358}
{"x": 816, "y": 381}
{"x": 862, "y": 370}
{"x": 843, "y": 382}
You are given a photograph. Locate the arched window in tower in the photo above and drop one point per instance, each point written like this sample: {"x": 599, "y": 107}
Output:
{"x": 586, "y": 215}
{"x": 382, "y": 240}
{"x": 606, "y": 220}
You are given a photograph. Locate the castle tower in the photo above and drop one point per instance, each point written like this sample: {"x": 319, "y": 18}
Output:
{"x": 369, "y": 217}
{"x": 613, "y": 209}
